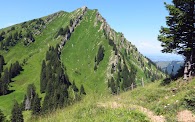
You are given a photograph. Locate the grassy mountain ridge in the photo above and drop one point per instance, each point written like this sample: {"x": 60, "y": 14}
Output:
{"x": 80, "y": 50}
{"x": 33, "y": 56}
{"x": 78, "y": 54}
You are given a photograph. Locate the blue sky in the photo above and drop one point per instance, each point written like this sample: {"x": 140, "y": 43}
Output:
{"x": 138, "y": 20}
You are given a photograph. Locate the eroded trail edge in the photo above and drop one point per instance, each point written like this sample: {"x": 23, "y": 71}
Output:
{"x": 147, "y": 112}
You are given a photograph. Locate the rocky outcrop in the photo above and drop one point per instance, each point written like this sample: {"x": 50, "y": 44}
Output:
{"x": 121, "y": 43}
{"x": 75, "y": 23}
{"x": 111, "y": 35}
{"x": 28, "y": 41}
{"x": 50, "y": 18}
{"x": 28, "y": 100}
{"x": 27, "y": 104}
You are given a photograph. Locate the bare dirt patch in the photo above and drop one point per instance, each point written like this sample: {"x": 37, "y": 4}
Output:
{"x": 147, "y": 112}
{"x": 185, "y": 116}
{"x": 151, "y": 115}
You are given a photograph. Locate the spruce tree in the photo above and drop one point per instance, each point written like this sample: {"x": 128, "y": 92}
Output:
{"x": 113, "y": 86}
{"x": 46, "y": 104}
{"x": 43, "y": 81}
{"x": 2, "y": 116}
{"x": 2, "y": 62}
{"x": 178, "y": 36}
{"x": 126, "y": 79}
{"x": 3, "y": 87}
{"x": 36, "y": 105}
{"x": 128, "y": 76}
{"x": 16, "y": 113}
{"x": 6, "y": 76}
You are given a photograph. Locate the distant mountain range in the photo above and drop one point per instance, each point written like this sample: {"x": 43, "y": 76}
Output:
{"x": 169, "y": 65}
{"x": 164, "y": 57}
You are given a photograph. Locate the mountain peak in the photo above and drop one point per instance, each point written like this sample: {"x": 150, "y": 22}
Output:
{"x": 90, "y": 52}
{"x": 84, "y": 7}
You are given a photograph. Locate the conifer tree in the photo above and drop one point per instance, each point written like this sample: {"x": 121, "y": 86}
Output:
{"x": 36, "y": 105}
{"x": 113, "y": 86}
{"x": 16, "y": 113}
{"x": 3, "y": 87}
{"x": 2, "y": 116}
{"x": 2, "y": 62}
{"x": 43, "y": 80}
{"x": 46, "y": 104}
{"x": 178, "y": 36}
{"x": 6, "y": 76}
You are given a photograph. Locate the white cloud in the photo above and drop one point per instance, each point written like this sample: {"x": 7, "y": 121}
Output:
{"x": 152, "y": 49}
{"x": 148, "y": 47}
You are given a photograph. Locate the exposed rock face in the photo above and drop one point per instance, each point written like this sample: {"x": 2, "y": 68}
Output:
{"x": 104, "y": 26}
{"x": 110, "y": 34}
{"x": 76, "y": 22}
{"x": 120, "y": 41}
{"x": 28, "y": 100}
{"x": 84, "y": 9}
{"x": 29, "y": 40}
{"x": 27, "y": 104}
{"x": 113, "y": 35}
{"x": 50, "y": 18}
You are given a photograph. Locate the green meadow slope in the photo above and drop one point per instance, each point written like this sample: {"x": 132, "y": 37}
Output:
{"x": 79, "y": 53}
{"x": 33, "y": 56}
{"x": 78, "y": 57}
{"x": 150, "y": 103}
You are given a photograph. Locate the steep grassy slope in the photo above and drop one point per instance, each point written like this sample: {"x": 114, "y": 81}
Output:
{"x": 33, "y": 56}
{"x": 88, "y": 110}
{"x": 150, "y": 103}
{"x": 163, "y": 100}
{"x": 78, "y": 57}
{"x": 79, "y": 54}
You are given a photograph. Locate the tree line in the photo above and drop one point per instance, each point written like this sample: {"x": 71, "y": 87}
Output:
{"x": 124, "y": 78}
{"x": 54, "y": 82}
{"x": 7, "y": 75}
{"x": 13, "y": 38}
